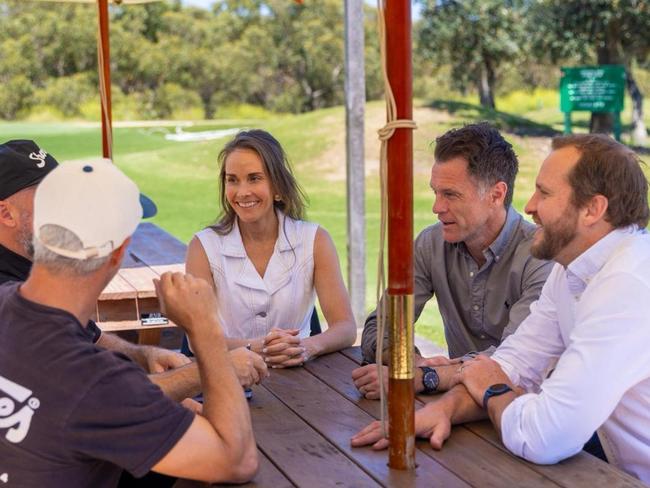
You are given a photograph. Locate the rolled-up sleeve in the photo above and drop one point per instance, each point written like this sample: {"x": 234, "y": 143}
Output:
{"x": 422, "y": 291}
{"x": 522, "y": 436}
{"x": 369, "y": 338}
{"x": 606, "y": 355}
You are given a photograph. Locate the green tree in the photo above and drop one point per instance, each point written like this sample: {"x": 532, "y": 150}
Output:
{"x": 600, "y": 31}
{"x": 195, "y": 47}
{"x": 38, "y": 45}
{"x": 274, "y": 53}
{"x": 15, "y": 95}
{"x": 309, "y": 40}
{"x": 474, "y": 37}
{"x": 67, "y": 93}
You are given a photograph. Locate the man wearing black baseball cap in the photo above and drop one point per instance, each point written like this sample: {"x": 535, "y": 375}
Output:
{"x": 79, "y": 415}
{"x": 23, "y": 165}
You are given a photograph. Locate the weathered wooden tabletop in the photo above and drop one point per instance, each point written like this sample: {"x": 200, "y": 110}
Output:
{"x": 303, "y": 419}
{"x": 152, "y": 252}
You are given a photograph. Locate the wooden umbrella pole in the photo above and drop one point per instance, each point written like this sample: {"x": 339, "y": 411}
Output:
{"x": 104, "y": 67}
{"x": 401, "y": 401}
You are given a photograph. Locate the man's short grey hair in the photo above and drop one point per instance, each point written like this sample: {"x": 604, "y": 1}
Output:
{"x": 55, "y": 235}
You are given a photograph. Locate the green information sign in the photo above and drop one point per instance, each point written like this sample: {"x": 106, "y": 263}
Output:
{"x": 592, "y": 88}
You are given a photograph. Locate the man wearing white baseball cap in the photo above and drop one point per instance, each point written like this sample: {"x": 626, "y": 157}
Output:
{"x": 76, "y": 414}
{"x": 102, "y": 223}
{"x": 23, "y": 165}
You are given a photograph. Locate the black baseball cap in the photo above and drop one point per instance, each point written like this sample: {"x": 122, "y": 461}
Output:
{"x": 22, "y": 164}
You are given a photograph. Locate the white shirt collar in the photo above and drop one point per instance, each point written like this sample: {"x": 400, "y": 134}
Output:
{"x": 233, "y": 245}
{"x": 583, "y": 268}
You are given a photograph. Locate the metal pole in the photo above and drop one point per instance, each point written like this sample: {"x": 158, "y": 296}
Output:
{"x": 355, "y": 99}
{"x": 401, "y": 401}
{"x": 104, "y": 67}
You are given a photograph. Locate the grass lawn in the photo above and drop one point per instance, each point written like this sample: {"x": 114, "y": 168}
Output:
{"x": 181, "y": 177}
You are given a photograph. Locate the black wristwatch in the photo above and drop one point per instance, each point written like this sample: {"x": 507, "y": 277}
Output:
{"x": 494, "y": 390}
{"x": 430, "y": 380}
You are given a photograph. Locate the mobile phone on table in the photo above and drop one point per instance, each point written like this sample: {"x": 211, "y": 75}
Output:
{"x": 153, "y": 318}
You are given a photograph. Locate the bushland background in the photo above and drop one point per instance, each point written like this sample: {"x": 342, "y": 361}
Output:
{"x": 278, "y": 65}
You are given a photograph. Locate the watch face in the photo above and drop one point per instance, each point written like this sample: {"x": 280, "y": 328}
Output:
{"x": 499, "y": 388}
{"x": 430, "y": 379}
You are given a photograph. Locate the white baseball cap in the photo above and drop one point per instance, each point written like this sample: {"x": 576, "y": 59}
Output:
{"x": 92, "y": 199}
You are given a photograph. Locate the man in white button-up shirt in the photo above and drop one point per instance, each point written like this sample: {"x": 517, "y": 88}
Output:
{"x": 590, "y": 328}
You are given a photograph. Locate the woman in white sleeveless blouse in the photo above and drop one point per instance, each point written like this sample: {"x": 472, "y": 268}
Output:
{"x": 266, "y": 263}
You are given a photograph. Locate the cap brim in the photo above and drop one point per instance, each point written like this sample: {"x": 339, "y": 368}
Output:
{"x": 26, "y": 184}
{"x": 149, "y": 208}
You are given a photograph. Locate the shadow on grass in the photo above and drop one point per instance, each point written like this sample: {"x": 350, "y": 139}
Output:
{"x": 468, "y": 112}
{"x": 626, "y": 131}
{"x": 502, "y": 120}
{"x": 626, "y": 128}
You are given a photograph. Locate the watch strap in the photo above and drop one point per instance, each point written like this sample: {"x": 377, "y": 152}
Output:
{"x": 494, "y": 390}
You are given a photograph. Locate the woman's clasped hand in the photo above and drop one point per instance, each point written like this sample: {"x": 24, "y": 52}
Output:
{"x": 283, "y": 348}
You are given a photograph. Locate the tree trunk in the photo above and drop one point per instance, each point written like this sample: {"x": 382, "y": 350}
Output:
{"x": 639, "y": 133}
{"x": 208, "y": 106}
{"x": 610, "y": 53}
{"x": 485, "y": 85}
{"x": 601, "y": 123}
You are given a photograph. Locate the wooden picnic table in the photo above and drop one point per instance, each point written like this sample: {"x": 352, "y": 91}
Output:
{"x": 152, "y": 252}
{"x": 303, "y": 419}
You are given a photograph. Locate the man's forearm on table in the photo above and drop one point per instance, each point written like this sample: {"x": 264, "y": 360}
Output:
{"x": 224, "y": 404}
{"x": 116, "y": 344}
{"x": 496, "y": 407}
{"x": 461, "y": 407}
{"x": 179, "y": 383}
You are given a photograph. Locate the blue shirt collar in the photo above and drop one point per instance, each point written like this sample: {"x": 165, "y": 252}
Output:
{"x": 500, "y": 244}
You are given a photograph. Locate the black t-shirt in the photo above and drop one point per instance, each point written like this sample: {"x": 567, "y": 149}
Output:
{"x": 72, "y": 413}
{"x": 14, "y": 267}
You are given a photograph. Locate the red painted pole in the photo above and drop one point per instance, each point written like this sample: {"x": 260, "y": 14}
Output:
{"x": 400, "y": 239}
{"x": 104, "y": 61}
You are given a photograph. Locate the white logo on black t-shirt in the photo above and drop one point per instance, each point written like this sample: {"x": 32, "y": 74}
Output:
{"x": 18, "y": 422}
